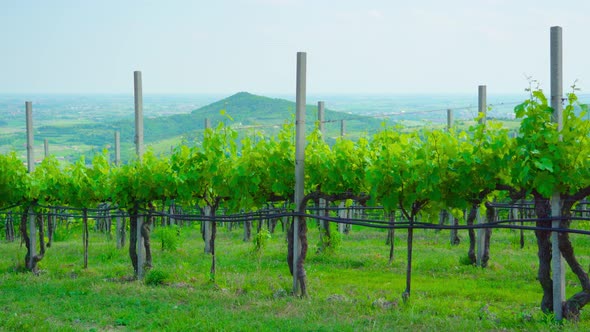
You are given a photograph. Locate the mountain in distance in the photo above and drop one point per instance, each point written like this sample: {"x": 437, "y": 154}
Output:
{"x": 251, "y": 110}
{"x": 265, "y": 114}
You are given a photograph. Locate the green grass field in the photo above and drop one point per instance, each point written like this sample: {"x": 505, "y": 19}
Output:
{"x": 351, "y": 289}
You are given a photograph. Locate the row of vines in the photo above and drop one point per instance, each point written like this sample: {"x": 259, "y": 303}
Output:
{"x": 412, "y": 173}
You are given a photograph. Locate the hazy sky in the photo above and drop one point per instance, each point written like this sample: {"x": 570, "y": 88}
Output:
{"x": 222, "y": 46}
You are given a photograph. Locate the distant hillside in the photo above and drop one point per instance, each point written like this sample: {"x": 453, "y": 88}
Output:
{"x": 246, "y": 110}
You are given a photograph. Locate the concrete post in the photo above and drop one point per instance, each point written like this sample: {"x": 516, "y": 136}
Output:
{"x": 321, "y": 118}
{"x": 449, "y": 119}
{"x": 482, "y": 104}
{"x": 30, "y": 140}
{"x": 557, "y": 264}
{"x": 299, "y": 159}
{"x": 322, "y": 202}
{"x": 31, "y": 169}
{"x": 46, "y": 148}
{"x": 208, "y": 231}
{"x": 117, "y": 148}
{"x": 140, "y": 249}
{"x": 138, "y": 114}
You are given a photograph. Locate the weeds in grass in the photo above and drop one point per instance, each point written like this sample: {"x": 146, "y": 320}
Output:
{"x": 169, "y": 237}
{"x": 156, "y": 277}
{"x": 260, "y": 241}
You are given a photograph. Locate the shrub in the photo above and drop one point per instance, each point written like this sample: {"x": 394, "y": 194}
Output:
{"x": 156, "y": 277}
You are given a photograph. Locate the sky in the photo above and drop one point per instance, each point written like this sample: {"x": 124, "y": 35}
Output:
{"x": 222, "y": 46}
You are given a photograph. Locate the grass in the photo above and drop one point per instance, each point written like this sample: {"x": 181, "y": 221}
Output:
{"x": 351, "y": 289}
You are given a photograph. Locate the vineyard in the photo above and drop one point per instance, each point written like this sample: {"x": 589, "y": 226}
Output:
{"x": 476, "y": 179}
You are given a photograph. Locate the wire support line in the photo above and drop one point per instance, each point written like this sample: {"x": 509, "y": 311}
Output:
{"x": 90, "y": 210}
{"x": 261, "y": 215}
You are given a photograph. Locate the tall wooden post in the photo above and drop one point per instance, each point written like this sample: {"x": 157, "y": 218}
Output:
{"x": 342, "y": 128}
{"x": 31, "y": 169}
{"x": 299, "y": 160}
{"x": 557, "y": 264}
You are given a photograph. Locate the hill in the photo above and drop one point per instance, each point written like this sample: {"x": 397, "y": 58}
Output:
{"x": 267, "y": 114}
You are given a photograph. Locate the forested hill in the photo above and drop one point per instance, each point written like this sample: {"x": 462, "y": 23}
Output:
{"x": 247, "y": 109}
{"x": 163, "y": 132}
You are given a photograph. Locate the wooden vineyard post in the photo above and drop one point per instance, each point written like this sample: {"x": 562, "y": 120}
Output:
{"x": 557, "y": 264}
{"x": 31, "y": 168}
{"x": 299, "y": 164}
{"x": 480, "y": 240}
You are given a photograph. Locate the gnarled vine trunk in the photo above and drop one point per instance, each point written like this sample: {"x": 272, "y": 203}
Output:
{"x": 212, "y": 243}
{"x": 574, "y": 304}
{"x": 9, "y": 227}
{"x": 247, "y": 231}
{"x": 146, "y": 228}
{"x": 406, "y": 293}
{"x": 543, "y": 211}
{"x": 490, "y": 217}
{"x": 301, "y": 274}
{"x": 85, "y": 236}
{"x": 470, "y": 221}
{"x": 133, "y": 238}
{"x": 391, "y": 235}
{"x": 31, "y": 264}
